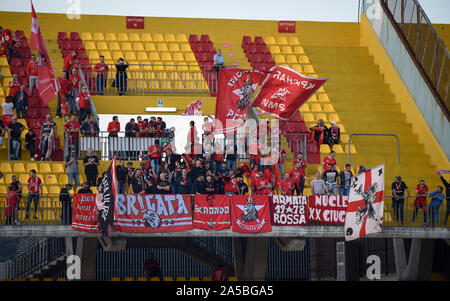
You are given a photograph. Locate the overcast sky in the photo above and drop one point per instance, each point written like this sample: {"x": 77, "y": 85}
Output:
{"x": 300, "y": 10}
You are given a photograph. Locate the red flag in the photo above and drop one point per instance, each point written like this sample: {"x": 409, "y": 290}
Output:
{"x": 46, "y": 81}
{"x": 194, "y": 108}
{"x": 284, "y": 91}
{"x": 250, "y": 213}
{"x": 235, "y": 90}
{"x": 212, "y": 212}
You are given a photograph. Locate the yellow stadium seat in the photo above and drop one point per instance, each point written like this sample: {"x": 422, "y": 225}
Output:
{"x": 270, "y": 41}
{"x": 117, "y": 54}
{"x": 178, "y": 57}
{"x": 322, "y": 116}
{"x": 291, "y": 59}
{"x": 308, "y": 69}
{"x": 126, "y": 46}
{"x": 294, "y": 41}
{"x": 169, "y": 37}
{"x": 342, "y": 128}
{"x": 154, "y": 56}
{"x": 335, "y": 117}
{"x": 141, "y": 279}
{"x": 309, "y": 117}
{"x": 102, "y": 45}
{"x": 142, "y": 56}
{"x": 162, "y": 47}
{"x": 23, "y": 178}
{"x": 45, "y": 168}
{"x": 63, "y": 179}
{"x": 146, "y": 37}
{"x": 157, "y": 37}
{"x": 232, "y": 278}
{"x": 31, "y": 166}
{"x": 168, "y": 278}
{"x": 138, "y": 46}
{"x": 110, "y": 36}
{"x": 165, "y": 56}
{"x": 352, "y": 149}
{"x": 58, "y": 168}
{"x": 299, "y": 50}
{"x": 286, "y": 50}
{"x": 282, "y": 41}
{"x": 316, "y": 107}
{"x": 279, "y": 59}
{"x": 150, "y": 47}
{"x": 338, "y": 149}
{"x": 328, "y": 108}
{"x": 3, "y": 189}
{"x": 54, "y": 190}
{"x": 86, "y": 36}
{"x": 115, "y": 278}
{"x": 122, "y": 37}
{"x": 344, "y": 138}
{"x": 185, "y": 47}
{"x": 324, "y": 149}
{"x": 275, "y": 50}
{"x": 194, "y": 278}
{"x": 114, "y": 46}
{"x": 5, "y": 167}
{"x": 207, "y": 278}
{"x": 323, "y": 98}
{"x": 297, "y": 67}
{"x": 134, "y": 37}
{"x": 130, "y": 56}
{"x": 128, "y": 279}
{"x": 18, "y": 167}
{"x": 190, "y": 57}
{"x": 181, "y": 278}
{"x": 98, "y": 36}
{"x": 93, "y": 55}
{"x": 181, "y": 38}
{"x": 173, "y": 47}
{"x": 303, "y": 59}
{"x": 155, "y": 279}
{"x": 90, "y": 45}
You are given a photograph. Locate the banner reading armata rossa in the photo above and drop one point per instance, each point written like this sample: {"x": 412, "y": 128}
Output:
{"x": 153, "y": 213}
{"x": 289, "y": 210}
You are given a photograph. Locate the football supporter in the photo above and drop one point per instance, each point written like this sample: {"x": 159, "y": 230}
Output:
{"x": 296, "y": 175}
{"x": 331, "y": 178}
{"x": 71, "y": 164}
{"x": 12, "y": 201}
{"x": 72, "y": 128}
{"x": 183, "y": 183}
{"x": 102, "y": 74}
{"x": 30, "y": 143}
{"x": 113, "y": 127}
{"x": 15, "y": 133}
{"x": 85, "y": 188}
{"x": 334, "y": 135}
{"x": 47, "y": 138}
{"x": 437, "y": 197}
{"x": 262, "y": 185}
{"x": 8, "y": 110}
{"x": 14, "y": 85}
{"x": 344, "y": 182}
{"x": 242, "y": 187}
{"x": 83, "y": 105}
{"x": 65, "y": 86}
{"x": 154, "y": 152}
{"x": 318, "y": 185}
{"x": 137, "y": 184}
{"x": 420, "y": 202}
{"x": 66, "y": 205}
{"x": 219, "y": 61}
{"x": 163, "y": 184}
{"x": 320, "y": 132}
{"x": 398, "y": 198}
{"x": 9, "y": 43}
{"x": 286, "y": 186}
{"x": 34, "y": 192}
{"x": 218, "y": 274}
{"x": 69, "y": 62}
{"x": 90, "y": 128}
{"x": 121, "y": 175}
{"x": 231, "y": 184}
{"x": 151, "y": 267}
{"x": 330, "y": 159}
{"x": 210, "y": 186}
{"x": 447, "y": 194}
{"x": 90, "y": 163}
{"x": 21, "y": 102}
{"x": 32, "y": 73}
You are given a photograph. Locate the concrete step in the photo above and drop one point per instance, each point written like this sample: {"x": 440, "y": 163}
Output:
{"x": 350, "y": 68}
{"x": 337, "y": 51}
{"x": 357, "y": 87}
{"x": 362, "y": 76}
{"x": 339, "y": 59}
{"x": 342, "y": 107}
{"x": 372, "y": 117}
{"x": 360, "y": 97}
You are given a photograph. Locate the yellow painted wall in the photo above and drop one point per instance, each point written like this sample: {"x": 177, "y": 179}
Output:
{"x": 443, "y": 30}
{"x": 408, "y": 106}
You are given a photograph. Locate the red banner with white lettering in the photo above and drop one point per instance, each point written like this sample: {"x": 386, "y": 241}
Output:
{"x": 153, "y": 213}
{"x": 327, "y": 209}
{"x": 84, "y": 215}
{"x": 212, "y": 212}
{"x": 286, "y": 26}
{"x": 135, "y": 22}
{"x": 289, "y": 210}
{"x": 250, "y": 214}
{"x": 235, "y": 90}
{"x": 47, "y": 84}
{"x": 365, "y": 204}
{"x": 284, "y": 91}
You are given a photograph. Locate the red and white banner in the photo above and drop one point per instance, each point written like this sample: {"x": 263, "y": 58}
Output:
{"x": 47, "y": 84}
{"x": 327, "y": 209}
{"x": 289, "y": 210}
{"x": 194, "y": 108}
{"x": 284, "y": 91}
{"x": 235, "y": 90}
{"x": 212, "y": 212}
{"x": 250, "y": 214}
{"x": 286, "y": 26}
{"x": 84, "y": 217}
{"x": 153, "y": 213}
{"x": 365, "y": 204}
{"x": 135, "y": 22}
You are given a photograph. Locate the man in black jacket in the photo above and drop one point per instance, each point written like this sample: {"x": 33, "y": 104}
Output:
{"x": 66, "y": 204}
{"x": 447, "y": 195}
{"x": 121, "y": 173}
{"x": 21, "y": 102}
{"x": 85, "y": 188}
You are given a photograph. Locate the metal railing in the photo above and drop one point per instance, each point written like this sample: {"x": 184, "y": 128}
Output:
{"x": 367, "y": 134}
{"x": 398, "y": 213}
{"x": 35, "y": 258}
{"x": 424, "y": 45}
{"x": 142, "y": 79}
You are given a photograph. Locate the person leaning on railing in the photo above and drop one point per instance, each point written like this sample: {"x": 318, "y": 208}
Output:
{"x": 102, "y": 74}
{"x": 447, "y": 193}
{"x": 90, "y": 128}
{"x": 121, "y": 81}
{"x": 398, "y": 198}
{"x": 66, "y": 204}
{"x": 437, "y": 197}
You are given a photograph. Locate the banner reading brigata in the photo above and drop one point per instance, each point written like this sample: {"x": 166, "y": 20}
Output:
{"x": 284, "y": 91}
{"x": 212, "y": 212}
{"x": 84, "y": 217}
{"x": 235, "y": 90}
{"x": 153, "y": 213}
{"x": 289, "y": 210}
{"x": 328, "y": 209}
{"x": 250, "y": 213}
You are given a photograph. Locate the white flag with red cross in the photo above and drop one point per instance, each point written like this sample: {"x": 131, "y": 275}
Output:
{"x": 365, "y": 204}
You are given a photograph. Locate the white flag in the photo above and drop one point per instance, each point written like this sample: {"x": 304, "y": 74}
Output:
{"x": 365, "y": 204}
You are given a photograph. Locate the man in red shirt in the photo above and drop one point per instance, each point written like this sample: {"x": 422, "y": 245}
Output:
{"x": 329, "y": 160}
{"x": 72, "y": 128}
{"x": 76, "y": 81}
{"x": 296, "y": 176}
{"x": 83, "y": 105}
{"x": 14, "y": 85}
{"x": 32, "y": 73}
{"x": 262, "y": 185}
{"x": 113, "y": 127}
{"x": 421, "y": 201}
{"x": 69, "y": 61}
{"x": 34, "y": 191}
{"x": 154, "y": 153}
{"x": 65, "y": 88}
{"x": 12, "y": 199}
{"x": 286, "y": 186}
{"x": 102, "y": 74}
{"x": 9, "y": 43}
{"x": 218, "y": 274}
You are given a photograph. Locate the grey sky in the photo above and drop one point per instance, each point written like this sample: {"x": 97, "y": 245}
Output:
{"x": 301, "y": 10}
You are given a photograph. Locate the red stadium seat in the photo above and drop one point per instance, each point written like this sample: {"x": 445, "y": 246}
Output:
{"x": 245, "y": 47}
{"x": 204, "y": 38}
{"x": 209, "y": 48}
{"x": 65, "y": 45}
{"x": 268, "y": 58}
{"x": 193, "y": 38}
{"x": 33, "y": 112}
{"x": 62, "y": 36}
{"x": 24, "y": 53}
{"x": 197, "y": 47}
{"x": 259, "y": 40}
{"x": 246, "y": 40}
{"x": 74, "y": 36}
{"x": 262, "y": 48}
{"x": 20, "y": 34}
{"x": 16, "y": 62}
{"x": 66, "y": 52}
{"x": 251, "y": 48}
{"x": 77, "y": 44}
{"x": 258, "y": 58}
